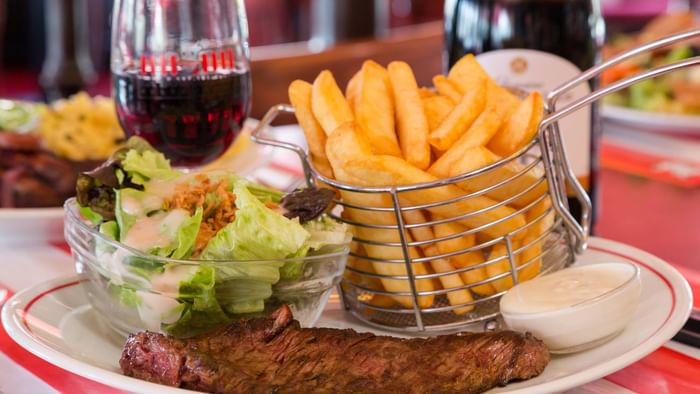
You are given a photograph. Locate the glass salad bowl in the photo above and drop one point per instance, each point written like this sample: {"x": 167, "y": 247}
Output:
{"x": 134, "y": 291}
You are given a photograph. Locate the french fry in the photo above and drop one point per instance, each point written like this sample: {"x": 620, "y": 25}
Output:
{"x": 437, "y": 108}
{"x": 543, "y": 217}
{"x": 389, "y": 170}
{"x": 437, "y": 152}
{"x": 363, "y": 265}
{"x": 381, "y": 301}
{"x": 479, "y": 134}
{"x": 439, "y": 265}
{"x": 385, "y": 252}
{"x": 425, "y": 93}
{"x": 501, "y": 100}
{"x": 300, "y": 97}
{"x": 460, "y": 119}
{"x": 374, "y": 109}
{"x": 463, "y": 260}
{"x": 497, "y": 268}
{"x": 480, "y": 157}
{"x": 446, "y": 88}
{"x": 378, "y": 300}
{"x": 352, "y": 90}
{"x": 473, "y": 159}
{"x": 411, "y": 123}
{"x": 521, "y": 127}
{"x": 466, "y": 74}
{"x": 328, "y": 103}
{"x": 544, "y": 223}
{"x": 532, "y": 251}
{"x": 343, "y": 144}
{"x": 531, "y": 257}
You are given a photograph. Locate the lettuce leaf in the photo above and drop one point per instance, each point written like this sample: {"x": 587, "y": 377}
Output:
{"x": 126, "y": 219}
{"x": 187, "y": 235}
{"x": 110, "y": 230}
{"x": 94, "y": 217}
{"x": 126, "y": 295}
{"x": 147, "y": 164}
{"x": 183, "y": 238}
{"x": 201, "y": 308}
{"x": 258, "y": 233}
{"x": 264, "y": 194}
{"x": 326, "y": 236}
{"x": 325, "y": 231}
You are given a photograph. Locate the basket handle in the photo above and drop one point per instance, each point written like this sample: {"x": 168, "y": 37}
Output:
{"x": 257, "y": 136}
{"x": 550, "y": 136}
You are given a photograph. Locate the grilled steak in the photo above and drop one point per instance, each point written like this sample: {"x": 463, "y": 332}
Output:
{"x": 31, "y": 177}
{"x": 275, "y": 355}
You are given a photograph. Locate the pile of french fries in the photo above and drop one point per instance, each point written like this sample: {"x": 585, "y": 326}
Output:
{"x": 385, "y": 130}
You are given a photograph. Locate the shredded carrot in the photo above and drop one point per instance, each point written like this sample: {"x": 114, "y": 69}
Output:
{"x": 218, "y": 204}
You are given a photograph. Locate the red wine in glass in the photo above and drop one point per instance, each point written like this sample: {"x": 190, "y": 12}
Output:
{"x": 192, "y": 119}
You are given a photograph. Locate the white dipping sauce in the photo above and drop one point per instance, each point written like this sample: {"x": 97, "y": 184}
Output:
{"x": 576, "y": 308}
{"x": 565, "y": 288}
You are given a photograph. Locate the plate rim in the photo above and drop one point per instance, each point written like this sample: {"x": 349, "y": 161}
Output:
{"x": 636, "y": 117}
{"x": 678, "y": 314}
{"x": 24, "y": 337}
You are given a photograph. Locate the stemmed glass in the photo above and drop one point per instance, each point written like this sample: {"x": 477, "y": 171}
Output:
{"x": 180, "y": 71}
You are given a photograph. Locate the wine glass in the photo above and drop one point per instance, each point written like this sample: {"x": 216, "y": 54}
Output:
{"x": 180, "y": 71}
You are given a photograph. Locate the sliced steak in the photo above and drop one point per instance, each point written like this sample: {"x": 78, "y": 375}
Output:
{"x": 275, "y": 355}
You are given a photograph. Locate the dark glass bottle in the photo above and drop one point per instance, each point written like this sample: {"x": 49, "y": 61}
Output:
{"x": 67, "y": 67}
{"x": 536, "y": 45}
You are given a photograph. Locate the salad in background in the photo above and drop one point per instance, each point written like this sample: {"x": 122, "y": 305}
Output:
{"x": 677, "y": 92}
{"x": 239, "y": 238}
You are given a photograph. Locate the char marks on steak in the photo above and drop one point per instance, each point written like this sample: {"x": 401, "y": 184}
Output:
{"x": 275, "y": 355}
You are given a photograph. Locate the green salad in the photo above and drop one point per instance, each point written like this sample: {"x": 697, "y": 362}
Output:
{"x": 246, "y": 237}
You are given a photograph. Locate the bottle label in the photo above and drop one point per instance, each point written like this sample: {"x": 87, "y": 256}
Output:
{"x": 530, "y": 70}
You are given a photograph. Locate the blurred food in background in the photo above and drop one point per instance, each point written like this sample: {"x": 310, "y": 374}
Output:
{"x": 81, "y": 128}
{"x": 43, "y": 148}
{"x": 678, "y": 92}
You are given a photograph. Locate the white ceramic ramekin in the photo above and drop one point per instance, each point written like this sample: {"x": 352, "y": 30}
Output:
{"x": 579, "y": 325}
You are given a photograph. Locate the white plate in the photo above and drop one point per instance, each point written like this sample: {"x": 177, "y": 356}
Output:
{"x": 31, "y": 224}
{"x": 651, "y": 121}
{"x": 54, "y": 321}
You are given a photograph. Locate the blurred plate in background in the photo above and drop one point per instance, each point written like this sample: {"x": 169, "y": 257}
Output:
{"x": 651, "y": 121}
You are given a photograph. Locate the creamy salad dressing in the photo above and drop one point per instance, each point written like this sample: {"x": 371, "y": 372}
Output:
{"x": 139, "y": 207}
{"x": 565, "y": 288}
{"x": 155, "y": 309}
{"x": 168, "y": 282}
{"x": 155, "y": 231}
{"x": 130, "y": 205}
{"x": 119, "y": 274}
{"x": 161, "y": 188}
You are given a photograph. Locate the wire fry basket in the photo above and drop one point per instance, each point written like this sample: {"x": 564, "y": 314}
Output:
{"x": 419, "y": 264}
